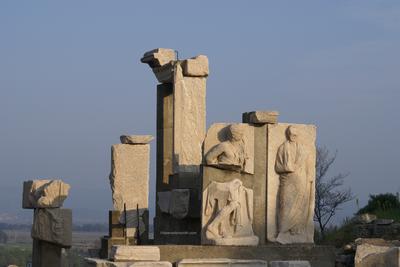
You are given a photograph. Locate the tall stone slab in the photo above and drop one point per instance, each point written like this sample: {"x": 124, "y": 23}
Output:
{"x": 129, "y": 180}
{"x": 290, "y": 183}
{"x": 181, "y": 123}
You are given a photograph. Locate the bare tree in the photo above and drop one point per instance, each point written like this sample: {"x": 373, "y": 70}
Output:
{"x": 329, "y": 192}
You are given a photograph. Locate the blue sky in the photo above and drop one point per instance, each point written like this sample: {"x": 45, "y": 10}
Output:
{"x": 71, "y": 82}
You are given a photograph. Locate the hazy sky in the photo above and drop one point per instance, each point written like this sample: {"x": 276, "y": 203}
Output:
{"x": 71, "y": 82}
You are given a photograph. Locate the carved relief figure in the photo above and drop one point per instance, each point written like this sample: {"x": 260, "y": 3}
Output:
{"x": 228, "y": 213}
{"x": 230, "y": 154}
{"x": 296, "y": 191}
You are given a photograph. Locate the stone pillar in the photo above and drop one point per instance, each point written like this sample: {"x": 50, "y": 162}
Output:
{"x": 181, "y": 122}
{"x": 52, "y": 226}
{"x": 129, "y": 180}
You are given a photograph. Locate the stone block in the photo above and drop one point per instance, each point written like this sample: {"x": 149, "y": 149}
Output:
{"x": 291, "y": 212}
{"x": 44, "y": 193}
{"x": 196, "y": 66}
{"x": 261, "y": 117}
{"x": 136, "y": 139}
{"x": 289, "y": 264}
{"x": 368, "y": 255}
{"x": 46, "y": 254}
{"x": 135, "y": 253}
{"x": 94, "y": 262}
{"x": 53, "y": 226}
{"x": 107, "y": 242}
{"x": 158, "y": 57}
{"x": 221, "y": 262}
{"x": 174, "y": 202}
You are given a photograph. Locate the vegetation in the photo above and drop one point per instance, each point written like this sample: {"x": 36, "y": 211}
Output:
{"x": 384, "y": 206}
{"x": 329, "y": 192}
{"x": 18, "y": 255}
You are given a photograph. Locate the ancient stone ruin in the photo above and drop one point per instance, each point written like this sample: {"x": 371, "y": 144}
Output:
{"x": 52, "y": 225}
{"x": 236, "y": 194}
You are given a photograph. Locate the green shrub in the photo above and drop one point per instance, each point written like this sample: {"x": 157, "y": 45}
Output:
{"x": 381, "y": 202}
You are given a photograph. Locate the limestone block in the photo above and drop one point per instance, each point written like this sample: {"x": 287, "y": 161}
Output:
{"x": 230, "y": 146}
{"x": 221, "y": 262}
{"x": 365, "y": 218}
{"x": 158, "y": 57}
{"x": 175, "y": 202}
{"x": 44, "y": 194}
{"x": 129, "y": 181}
{"x": 94, "y": 262}
{"x": 291, "y": 183}
{"x": 289, "y": 264}
{"x": 189, "y": 125}
{"x": 53, "y": 225}
{"x": 261, "y": 117}
{"x": 135, "y": 253}
{"x": 196, "y": 66}
{"x": 136, "y": 139}
{"x": 368, "y": 255}
{"x": 227, "y": 215}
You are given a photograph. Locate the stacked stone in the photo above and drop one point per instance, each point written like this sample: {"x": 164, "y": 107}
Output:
{"x": 129, "y": 180}
{"x": 181, "y": 128}
{"x": 52, "y": 225}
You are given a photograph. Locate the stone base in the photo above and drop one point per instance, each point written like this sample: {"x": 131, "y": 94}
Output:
{"x": 135, "y": 253}
{"x": 92, "y": 262}
{"x": 107, "y": 242}
{"x": 318, "y": 256}
{"x": 221, "y": 263}
{"x": 46, "y": 254}
{"x": 289, "y": 264}
{"x": 243, "y": 241}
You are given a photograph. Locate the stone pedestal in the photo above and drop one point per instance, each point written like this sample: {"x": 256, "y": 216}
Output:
{"x": 45, "y": 254}
{"x": 221, "y": 263}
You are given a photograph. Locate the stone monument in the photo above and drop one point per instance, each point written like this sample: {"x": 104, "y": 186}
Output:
{"x": 52, "y": 225}
{"x": 181, "y": 127}
{"x": 238, "y": 194}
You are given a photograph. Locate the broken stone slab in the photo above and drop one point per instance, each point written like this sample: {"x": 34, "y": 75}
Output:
{"x": 368, "y": 255}
{"x": 53, "y": 226}
{"x": 95, "y": 262}
{"x": 44, "y": 193}
{"x": 260, "y": 117}
{"x": 174, "y": 202}
{"x": 135, "y": 253}
{"x": 196, "y": 66}
{"x": 158, "y": 57}
{"x": 221, "y": 262}
{"x": 136, "y": 139}
{"x": 289, "y": 264}
{"x": 383, "y": 221}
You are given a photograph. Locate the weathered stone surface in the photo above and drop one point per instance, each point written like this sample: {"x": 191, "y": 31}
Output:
{"x": 289, "y": 264}
{"x": 227, "y": 217}
{"x": 107, "y": 242}
{"x": 135, "y": 253}
{"x": 383, "y": 221}
{"x": 136, "y": 139}
{"x": 196, "y": 66}
{"x": 158, "y": 57}
{"x": 318, "y": 256}
{"x": 45, "y": 254}
{"x": 230, "y": 147}
{"x": 175, "y": 202}
{"x": 291, "y": 152}
{"x": 261, "y": 117}
{"x": 94, "y": 262}
{"x": 44, "y": 194}
{"x": 368, "y": 255}
{"x": 53, "y": 225}
{"x": 189, "y": 122}
{"x": 221, "y": 262}
{"x": 129, "y": 180}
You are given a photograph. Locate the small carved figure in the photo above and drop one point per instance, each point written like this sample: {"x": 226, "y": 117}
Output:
{"x": 295, "y": 190}
{"x": 228, "y": 209}
{"x": 230, "y": 154}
